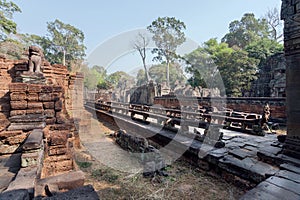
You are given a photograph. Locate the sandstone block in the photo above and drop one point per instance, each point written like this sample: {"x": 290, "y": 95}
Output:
{"x": 58, "y": 105}
{"x": 57, "y": 150}
{"x": 18, "y": 105}
{"x": 27, "y": 118}
{"x": 32, "y": 96}
{"x": 49, "y": 113}
{"x": 35, "y": 105}
{"x": 46, "y": 97}
{"x": 48, "y": 105}
{"x": 57, "y": 137}
{"x": 34, "y": 140}
{"x": 26, "y": 126}
{"x": 17, "y": 112}
{"x": 65, "y": 181}
{"x": 18, "y": 96}
{"x": 47, "y": 89}
{"x": 35, "y": 111}
{"x": 57, "y": 89}
{"x": 50, "y": 121}
{"x": 18, "y": 87}
{"x": 34, "y": 88}
{"x": 31, "y": 159}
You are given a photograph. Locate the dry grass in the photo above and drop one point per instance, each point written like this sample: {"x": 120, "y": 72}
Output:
{"x": 184, "y": 182}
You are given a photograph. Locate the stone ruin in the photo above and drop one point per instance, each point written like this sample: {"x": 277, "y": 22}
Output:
{"x": 272, "y": 78}
{"x": 37, "y": 134}
{"x": 149, "y": 156}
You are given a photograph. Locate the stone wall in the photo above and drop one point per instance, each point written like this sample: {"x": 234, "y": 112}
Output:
{"x": 242, "y": 104}
{"x": 36, "y": 121}
{"x": 272, "y": 78}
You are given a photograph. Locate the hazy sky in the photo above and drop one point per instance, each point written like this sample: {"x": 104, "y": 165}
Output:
{"x": 103, "y": 20}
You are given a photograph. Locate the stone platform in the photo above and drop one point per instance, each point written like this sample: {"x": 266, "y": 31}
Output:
{"x": 247, "y": 160}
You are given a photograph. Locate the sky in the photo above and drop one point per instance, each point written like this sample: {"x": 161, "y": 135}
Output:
{"x": 106, "y": 24}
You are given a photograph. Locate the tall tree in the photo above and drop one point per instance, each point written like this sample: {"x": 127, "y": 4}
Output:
{"x": 64, "y": 43}
{"x": 168, "y": 35}
{"x": 275, "y": 24}
{"x": 140, "y": 45}
{"x": 7, "y": 25}
{"x": 157, "y": 73}
{"x": 246, "y": 31}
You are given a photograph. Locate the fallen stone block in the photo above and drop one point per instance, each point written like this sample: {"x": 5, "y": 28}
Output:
{"x": 66, "y": 181}
{"x": 34, "y": 140}
{"x": 25, "y": 179}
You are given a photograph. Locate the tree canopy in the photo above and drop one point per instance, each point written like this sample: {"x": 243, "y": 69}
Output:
{"x": 7, "y": 25}
{"x": 168, "y": 35}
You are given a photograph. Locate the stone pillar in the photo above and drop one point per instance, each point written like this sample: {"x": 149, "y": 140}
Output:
{"x": 290, "y": 13}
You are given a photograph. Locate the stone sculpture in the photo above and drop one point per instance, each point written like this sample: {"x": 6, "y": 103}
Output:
{"x": 35, "y": 59}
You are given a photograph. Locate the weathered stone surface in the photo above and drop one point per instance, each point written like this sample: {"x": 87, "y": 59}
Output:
{"x": 26, "y": 126}
{"x": 34, "y": 88}
{"x": 14, "y": 140}
{"x": 57, "y": 150}
{"x": 18, "y": 96}
{"x": 32, "y": 97}
{"x": 20, "y": 194}
{"x": 266, "y": 190}
{"x": 35, "y": 105}
{"x": 289, "y": 175}
{"x": 34, "y": 140}
{"x": 46, "y": 97}
{"x": 25, "y": 179}
{"x": 27, "y": 118}
{"x": 290, "y": 167}
{"x": 31, "y": 159}
{"x": 18, "y": 105}
{"x": 47, "y": 89}
{"x": 60, "y": 117}
{"x": 65, "y": 181}
{"x": 35, "y": 112}
{"x": 48, "y": 105}
{"x": 50, "y": 121}
{"x": 57, "y": 137}
{"x": 49, "y": 113}
{"x": 285, "y": 183}
{"x": 17, "y": 112}
{"x": 17, "y": 87}
{"x": 5, "y": 178}
{"x": 239, "y": 153}
{"x": 54, "y": 167}
{"x": 58, "y": 105}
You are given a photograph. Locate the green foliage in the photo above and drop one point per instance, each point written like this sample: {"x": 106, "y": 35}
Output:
{"x": 168, "y": 35}
{"x": 7, "y": 26}
{"x": 84, "y": 164}
{"x": 245, "y": 31}
{"x": 157, "y": 73}
{"x": 13, "y": 49}
{"x": 141, "y": 77}
{"x": 64, "y": 43}
{"x": 120, "y": 79}
{"x": 235, "y": 66}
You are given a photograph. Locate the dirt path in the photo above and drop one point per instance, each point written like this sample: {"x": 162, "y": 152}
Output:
{"x": 104, "y": 150}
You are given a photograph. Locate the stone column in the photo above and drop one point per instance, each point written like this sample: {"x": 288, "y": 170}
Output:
{"x": 290, "y": 13}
